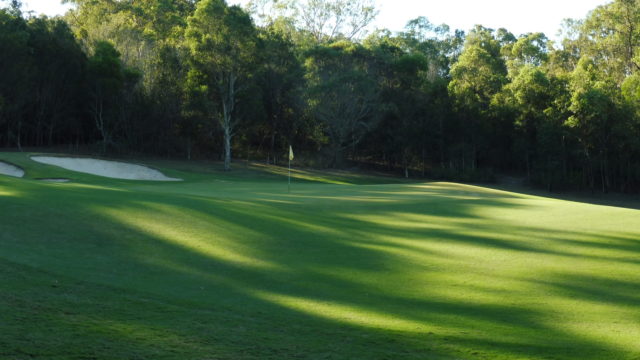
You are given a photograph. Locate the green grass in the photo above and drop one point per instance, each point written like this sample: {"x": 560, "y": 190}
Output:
{"x": 230, "y": 266}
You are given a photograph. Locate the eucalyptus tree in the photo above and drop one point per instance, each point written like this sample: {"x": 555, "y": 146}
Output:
{"x": 478, "y": 75}
{"x": 603, "y": 119}
{"x": 410, "y": 102}
{"x": 148, "y": 34}
{"x": 630, "y": 144}
{"x": 17, "y": 67}
{"x": 438, "y": 43}
{"x": 527, "y": 92}
{"x": 59, "y": 85}
{"x": 323, "y": 20}
{"x": 330, "y": 19}
{"x": 530, "y": 49}
{"x": 135, "y": 27}
{"x": 596, "y": 118}
{"x": 611, "y": 37}
{"x": 409, "y": 70}
{"x": 342, "y": 94}
{"x": 109, "y": 81}
{"x": 223, "y": 44}
{"x": 280, "y": 77}
{"x": 528, "y": 95}
{"x": 441, "y": 46}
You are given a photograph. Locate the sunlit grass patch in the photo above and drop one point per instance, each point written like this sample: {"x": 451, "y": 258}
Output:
{"x": 4, "y": 191}
{"x": 231, "y": 266}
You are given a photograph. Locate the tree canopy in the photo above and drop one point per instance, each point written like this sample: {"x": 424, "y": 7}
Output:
{"x": 207, "y": 80}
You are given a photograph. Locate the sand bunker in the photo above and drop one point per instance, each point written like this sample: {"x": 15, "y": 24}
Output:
{"x": 10, "y": 170}
{"x": 110, "y": 169}
{"x": 55, "y": 180}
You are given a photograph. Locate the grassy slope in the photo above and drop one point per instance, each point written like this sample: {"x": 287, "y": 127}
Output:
{"x": 230, "y": 266}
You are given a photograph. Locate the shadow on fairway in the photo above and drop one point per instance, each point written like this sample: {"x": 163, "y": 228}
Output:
{"x": 355, "y": 273}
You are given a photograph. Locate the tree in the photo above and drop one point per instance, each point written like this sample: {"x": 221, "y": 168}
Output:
{"x": 17, "y": 73}
{"x": 187, "y": 77}
{"x": 323, "y": 20}
{"x": 109, "y": 80}
{"x": 630, "y": 142}
{"x": 478, "y": 75}
{"x": 437, "y": 42}
{"x": 149, "y": 36}
{"x": 332, "y": 18}
{"x": 341, "y": 94}
{"x": 222, "y": 42}
{"x": 409, "y": 100}
{"x": 529, "y": 49}
{"x": 528, "y": 95}
{"x": 596, "y": 116}
{"x": 611, "y": 38}
{"x": 60, "y": 84}
{"x": 280, "y": 77}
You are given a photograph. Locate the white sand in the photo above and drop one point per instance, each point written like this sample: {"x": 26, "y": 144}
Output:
{"x": 60, "y": 180}
{"x": 10, "y": 170}
{"x": 110, "y": 169}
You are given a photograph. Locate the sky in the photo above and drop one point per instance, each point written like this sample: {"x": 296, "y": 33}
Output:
{"x": 517, "y": 16}
{"x": 47, "y": 7}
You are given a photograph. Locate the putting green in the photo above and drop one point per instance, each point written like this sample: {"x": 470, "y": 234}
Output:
{"x": 230, "y": 266}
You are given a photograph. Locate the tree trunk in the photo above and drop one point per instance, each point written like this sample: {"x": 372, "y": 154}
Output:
{"x": 272, "y": 148}
{"x": 592, "y": 179}
{"x": 441, "y": 142}
{"x": 424, "y": 161}
{"x": 226, "y": 127}
{"x": 8, "y": 142}
{"x": 98, "y": 115}
{"x": 464, "y": 155}
{"x": 51, "y": 128}
{"x": 228, "y": 92}
{"x": 474, "y": 157}
{"x": 607, "y": 177}
{"x": 338, "y": 160}
{"x": 18, "y": 138}
{"x": 246, "y": 164}
{"x": 528, "y": 165}
{"x": 565, "y": 170}
{"x": 227, "y": 149}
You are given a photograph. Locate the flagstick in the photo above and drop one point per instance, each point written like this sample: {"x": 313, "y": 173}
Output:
{"x": 289, "y": 185}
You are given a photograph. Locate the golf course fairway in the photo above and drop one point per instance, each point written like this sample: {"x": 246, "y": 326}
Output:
{"x": 231, "y": 266}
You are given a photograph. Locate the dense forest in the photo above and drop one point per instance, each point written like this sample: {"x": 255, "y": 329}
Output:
{"x": 202, "y": 79}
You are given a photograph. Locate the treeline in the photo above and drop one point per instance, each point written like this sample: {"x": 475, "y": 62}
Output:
{"x": 204, "y": 79}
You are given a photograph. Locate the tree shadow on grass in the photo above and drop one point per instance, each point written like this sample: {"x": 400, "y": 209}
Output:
{"x": 331, "y": 284}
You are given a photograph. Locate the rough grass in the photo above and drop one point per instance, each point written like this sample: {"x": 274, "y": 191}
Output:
{"x": 230, "y": 266}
